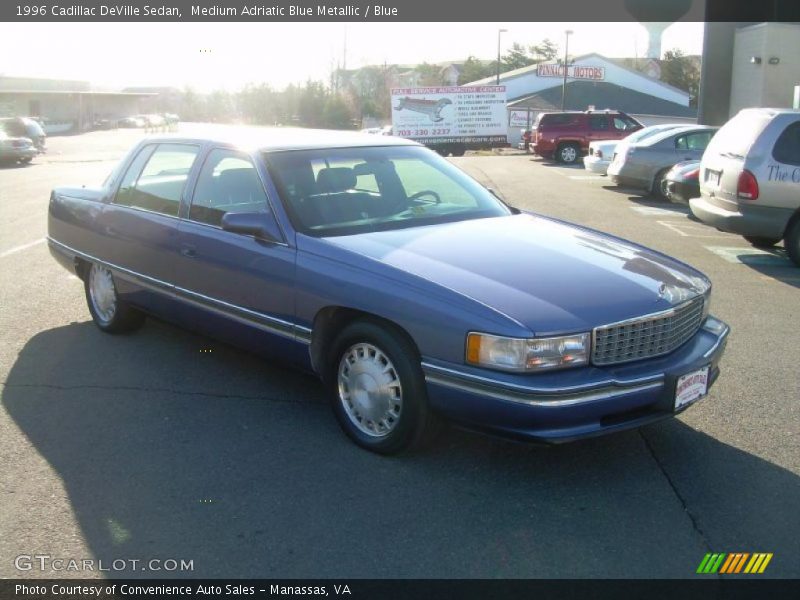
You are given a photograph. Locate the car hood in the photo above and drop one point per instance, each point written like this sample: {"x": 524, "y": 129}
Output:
{"x": 546, "y": 275}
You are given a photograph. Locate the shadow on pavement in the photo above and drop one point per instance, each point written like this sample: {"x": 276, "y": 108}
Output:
{"x": 172, "y": 446}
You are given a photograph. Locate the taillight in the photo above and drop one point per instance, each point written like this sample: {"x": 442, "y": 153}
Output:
{"x": 693, "y": 174}
{"x": 747, "y": 187}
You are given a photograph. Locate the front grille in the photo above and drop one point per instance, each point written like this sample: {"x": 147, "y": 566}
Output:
{"x": 648, "y": 336}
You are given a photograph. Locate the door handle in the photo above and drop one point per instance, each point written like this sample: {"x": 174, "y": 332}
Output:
{"x": 189, "y": 251}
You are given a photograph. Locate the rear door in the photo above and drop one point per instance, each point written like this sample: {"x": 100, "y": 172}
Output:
{"x": 142, "y": 219}
{"x": 599, "y": 128}
{"x": 233, "y": 274}
{"x": 691, "y": 145}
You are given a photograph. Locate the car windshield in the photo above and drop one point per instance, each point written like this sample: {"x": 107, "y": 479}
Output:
{"x": 647, "y": 132}
{"x": 345, "y": 191}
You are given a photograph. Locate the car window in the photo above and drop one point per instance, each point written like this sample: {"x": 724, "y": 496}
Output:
{"x": 228, "y": 183}
{"x": 787, "y": 147}
{"x": 554, "y": 120}
{"x": 353, "y": 190}
{"x": 125, "y": 193}
{"x": 693, "y": 141}
{"x": 159, "y": 186}
{"x": 623, "y": 123}
{"x": 598, "y": 122}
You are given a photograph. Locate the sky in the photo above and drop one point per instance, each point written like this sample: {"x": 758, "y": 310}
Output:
{"x": 208, "y": 56}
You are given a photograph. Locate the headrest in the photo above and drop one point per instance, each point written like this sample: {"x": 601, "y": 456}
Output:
{"x": 336, "y": 180}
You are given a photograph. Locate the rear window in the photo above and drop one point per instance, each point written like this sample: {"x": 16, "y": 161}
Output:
{"x": 738, "y": 134}
{"x": 787, "y": 148}
{"x": 556, "y": 120}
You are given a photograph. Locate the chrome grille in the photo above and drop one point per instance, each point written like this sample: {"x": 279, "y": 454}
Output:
{"x": 648, "y": 336}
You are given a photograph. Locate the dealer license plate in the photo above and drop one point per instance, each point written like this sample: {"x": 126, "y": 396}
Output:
{"x": 712, "y": 177}
{"x": 691, "y": 387}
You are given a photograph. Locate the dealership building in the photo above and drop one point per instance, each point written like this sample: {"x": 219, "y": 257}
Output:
{"x": 66, "y": 105}
{"x": 594, "y": 82}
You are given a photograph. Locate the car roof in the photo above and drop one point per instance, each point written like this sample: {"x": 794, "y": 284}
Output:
{"x": 662, "y": 135}
{"x": 274, "y": 139}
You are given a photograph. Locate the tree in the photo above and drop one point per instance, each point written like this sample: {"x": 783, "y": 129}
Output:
{"x": 430, "y": 75}
{"x": 681, "y": 71}
{"x": 474, "y": 69}
{"x": 546, "y": 50}
{"x": 517, "y": 57}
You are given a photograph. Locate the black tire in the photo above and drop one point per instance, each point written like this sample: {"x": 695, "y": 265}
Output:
{"x": 123, "y": 318}
{"x": 442, "y": 150}
{"x": 416, "y": 424}
{"x": 761, "y": 242}
{"x": 459, "y": 149}
{"x": 568, "y": 154}
{"x": 26, "y": 160}
{"x": 792, "y": 241}
{"x": 660, "y": 185}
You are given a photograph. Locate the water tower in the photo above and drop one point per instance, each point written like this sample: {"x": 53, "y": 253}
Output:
{"x": 654, "y": 32}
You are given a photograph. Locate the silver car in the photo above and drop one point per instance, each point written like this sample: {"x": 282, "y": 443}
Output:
{"x": 645, "y": 164}
{"x": 750, "y": 178}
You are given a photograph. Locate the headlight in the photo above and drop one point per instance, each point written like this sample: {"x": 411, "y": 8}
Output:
{"x": 535, "y": 354}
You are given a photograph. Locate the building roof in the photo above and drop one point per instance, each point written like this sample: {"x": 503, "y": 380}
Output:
{"x": 602, "y": 95}
{"x": 531, "y": 69}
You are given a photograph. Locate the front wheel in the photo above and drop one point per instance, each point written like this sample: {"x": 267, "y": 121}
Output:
{"x": 660, "y": 185}
{"x": 377, "y": 389}
{"x": 109, "y": 312}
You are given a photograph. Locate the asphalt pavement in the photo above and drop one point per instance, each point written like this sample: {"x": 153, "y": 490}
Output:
{"x": 164, "y": 444}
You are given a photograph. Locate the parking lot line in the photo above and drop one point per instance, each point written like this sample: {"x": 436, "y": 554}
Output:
{"x": 656, "y": 211}
{"x": 693, "y": 230}
{"x": 752, "y": 256}
{"x": 16, "y": 249}
{"x": 584, "y": 177}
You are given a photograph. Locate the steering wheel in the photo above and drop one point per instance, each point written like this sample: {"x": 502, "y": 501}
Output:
{"x": 421, "y": 193}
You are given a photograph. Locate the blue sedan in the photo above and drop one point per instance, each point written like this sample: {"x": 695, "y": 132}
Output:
{"x": 412, "y": 291}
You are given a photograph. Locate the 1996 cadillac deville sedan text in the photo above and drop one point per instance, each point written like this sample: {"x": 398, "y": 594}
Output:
{"x": 407, "y": 287}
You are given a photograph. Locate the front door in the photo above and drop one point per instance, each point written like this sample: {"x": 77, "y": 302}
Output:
{"x": 236, "y": 275}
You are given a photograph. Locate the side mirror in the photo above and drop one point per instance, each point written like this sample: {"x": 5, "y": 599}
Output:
{"x": 261, "y": 225}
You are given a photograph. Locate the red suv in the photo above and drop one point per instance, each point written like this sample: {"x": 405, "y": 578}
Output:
{"x": 565, "y": 136}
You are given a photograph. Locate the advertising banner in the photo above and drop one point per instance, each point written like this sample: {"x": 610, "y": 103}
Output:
{"x": 450, "y": 114}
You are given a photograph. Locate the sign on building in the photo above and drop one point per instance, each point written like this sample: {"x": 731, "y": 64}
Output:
{"x": 573, "y": 71}
{"x": 450, "y": 114}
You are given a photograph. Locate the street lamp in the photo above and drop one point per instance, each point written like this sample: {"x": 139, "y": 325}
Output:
{"x": 499, "y": 33}
{"x": 567, "y": 33}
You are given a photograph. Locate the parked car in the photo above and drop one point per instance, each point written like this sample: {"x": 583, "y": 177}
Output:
{"x": 405, "y": 285}
{"x": 683, "y": 182}
{"x": 599, "y": 156}
{"x": 26, "y": 127}
{"x": 16, "y": 149}
{"x": 131, "y": 122}
{"x": 750, "y": 178}
{"x": 565, "y": 136}
{"x": 602, "y": 153}
{"x": 644, "y": 164}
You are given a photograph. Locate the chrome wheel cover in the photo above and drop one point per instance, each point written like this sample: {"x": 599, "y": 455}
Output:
{"x": 370, "y": 390}
{"x": 102, "y": 293}
{"x": 569, "y": 154}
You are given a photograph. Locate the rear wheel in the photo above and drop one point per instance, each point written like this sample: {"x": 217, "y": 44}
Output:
{"x": 792, "y": 241}
{"x": 109, "y": 312}
{"x": 459, "y": 149}
{"x": 761, "y": 242}
{"x": 377, "y": 389}
{"x": 568, "y": 153}
{"x": 660, "y": 185}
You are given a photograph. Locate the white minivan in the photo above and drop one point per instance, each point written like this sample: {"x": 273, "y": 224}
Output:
{"x": 750, "y": 178}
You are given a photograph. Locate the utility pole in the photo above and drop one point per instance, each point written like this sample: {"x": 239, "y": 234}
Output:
{"x": 567, "y": 33}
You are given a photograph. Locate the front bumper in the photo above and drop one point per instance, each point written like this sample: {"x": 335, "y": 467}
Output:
{"x": 562, "y": 406}
{"x": 744, "y": 219}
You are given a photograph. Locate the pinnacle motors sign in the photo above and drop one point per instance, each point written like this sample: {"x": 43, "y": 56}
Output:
{"x": 573, "y": 71}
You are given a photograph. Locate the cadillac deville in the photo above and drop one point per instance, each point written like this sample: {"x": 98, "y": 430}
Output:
{"x": 413, "y": 292}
